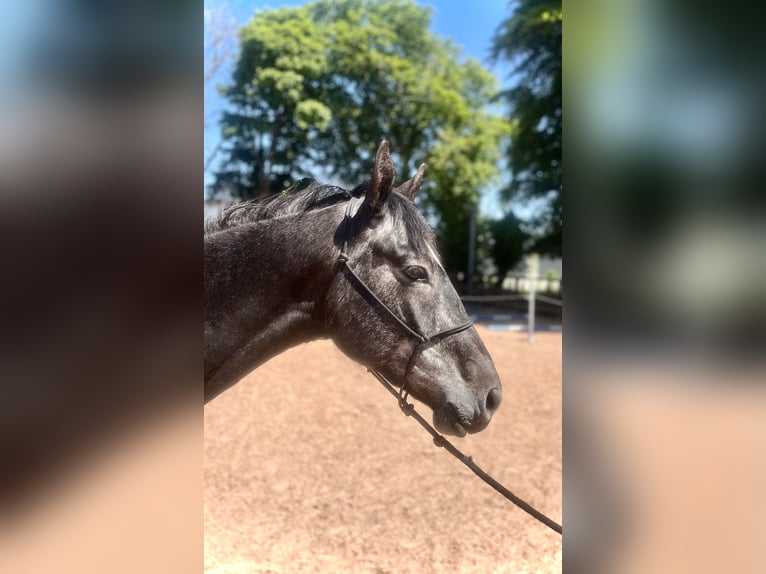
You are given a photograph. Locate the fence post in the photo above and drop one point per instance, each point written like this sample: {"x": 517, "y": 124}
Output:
{"x": 472, "y": 249}
{"x": 531, "y": 309}
{"x": 533, "y": 266}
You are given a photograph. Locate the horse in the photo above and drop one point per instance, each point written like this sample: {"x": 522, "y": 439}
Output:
{"x": 360, "y": 267}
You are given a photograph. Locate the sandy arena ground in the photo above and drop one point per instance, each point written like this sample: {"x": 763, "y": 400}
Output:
{"x": 311, "y": 467}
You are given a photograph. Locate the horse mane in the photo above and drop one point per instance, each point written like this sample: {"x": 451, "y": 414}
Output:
{"x": 304, "y": 196}
{"x": 308, "y": 195}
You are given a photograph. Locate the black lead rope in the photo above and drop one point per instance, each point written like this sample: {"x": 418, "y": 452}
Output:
{"x": 402, "y": 394}
{"x": 439, "y": 440}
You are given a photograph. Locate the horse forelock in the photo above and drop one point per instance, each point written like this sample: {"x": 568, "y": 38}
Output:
{"x": 404, "y": 212}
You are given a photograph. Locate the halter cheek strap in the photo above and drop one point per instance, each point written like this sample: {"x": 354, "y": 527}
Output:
{"x": 365, "y": 291}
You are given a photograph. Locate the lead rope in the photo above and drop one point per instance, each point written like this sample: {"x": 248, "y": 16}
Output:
{"x": 439, "y": 440}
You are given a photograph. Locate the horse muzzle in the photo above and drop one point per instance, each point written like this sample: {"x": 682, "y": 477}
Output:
{"x": 458, "y": 419}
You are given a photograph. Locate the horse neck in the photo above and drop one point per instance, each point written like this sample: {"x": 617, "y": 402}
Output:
{"x": 265, "y": 288}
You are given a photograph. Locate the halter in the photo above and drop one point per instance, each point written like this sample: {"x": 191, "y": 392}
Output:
{"x": 364, "y": 289}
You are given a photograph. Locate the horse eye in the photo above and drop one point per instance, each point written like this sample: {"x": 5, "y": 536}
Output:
{"x": 416, "y": 273}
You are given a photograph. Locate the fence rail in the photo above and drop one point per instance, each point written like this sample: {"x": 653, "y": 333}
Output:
{"x": 492, "y": 298}
{"x": 551, "y": 300}
{"x": 507, "y": 298}
{"x": 532, "y": 297}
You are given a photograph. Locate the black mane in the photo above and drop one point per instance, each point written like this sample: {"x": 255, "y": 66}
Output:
{"x": 304, "y": 196}
{"x": 308, "y": 195}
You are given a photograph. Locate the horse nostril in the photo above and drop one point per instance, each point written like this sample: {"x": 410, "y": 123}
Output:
{"x": 493, "y": 399}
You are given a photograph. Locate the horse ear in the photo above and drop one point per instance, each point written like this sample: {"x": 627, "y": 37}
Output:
{"x": 411, "y": 187}
{"x": 382, "y": 180}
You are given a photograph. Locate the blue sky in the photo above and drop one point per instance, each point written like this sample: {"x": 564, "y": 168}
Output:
{"x": 470, "y": 25}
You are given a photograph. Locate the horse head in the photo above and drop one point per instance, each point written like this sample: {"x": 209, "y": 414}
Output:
{"x": 393, "y": 308}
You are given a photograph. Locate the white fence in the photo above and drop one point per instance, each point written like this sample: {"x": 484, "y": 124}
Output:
{"x": 529, "y": 287}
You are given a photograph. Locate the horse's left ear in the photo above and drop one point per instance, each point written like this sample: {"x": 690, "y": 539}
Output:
{"x": 411, "y": 187}
{"x": 382, "y": 180}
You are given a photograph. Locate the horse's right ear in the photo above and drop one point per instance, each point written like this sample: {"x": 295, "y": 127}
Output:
{"x": 411, "y": 187}
{"x": 382, "y": 180}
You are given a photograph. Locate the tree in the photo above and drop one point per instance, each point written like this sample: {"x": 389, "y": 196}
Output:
{"x": 530, "y": 38}
{"x": 274, "y": 101}
{"x": 508, "y": 244}
{"x": 219, "y": 30}
{"x": 459, "y": 165}
{"x": 316, "y": 87}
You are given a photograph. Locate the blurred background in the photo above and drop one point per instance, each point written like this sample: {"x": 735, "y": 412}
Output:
{"x": 666, "y": 306}
{"x": 100, "y": 367}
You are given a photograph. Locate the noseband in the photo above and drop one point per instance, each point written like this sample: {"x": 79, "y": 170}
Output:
{"x": 363, "y": 289}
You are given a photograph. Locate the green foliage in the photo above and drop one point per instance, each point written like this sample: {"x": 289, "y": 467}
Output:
{"x": 456, "y": 164}
{"x": 319, "y": 85}
{"x": 275, "y": 102}
{"x": 551, "y": 275}
{"x": 531, "y": 39}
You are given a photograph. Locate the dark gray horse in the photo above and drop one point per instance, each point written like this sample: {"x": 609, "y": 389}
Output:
{"x": 358, "y": 267}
